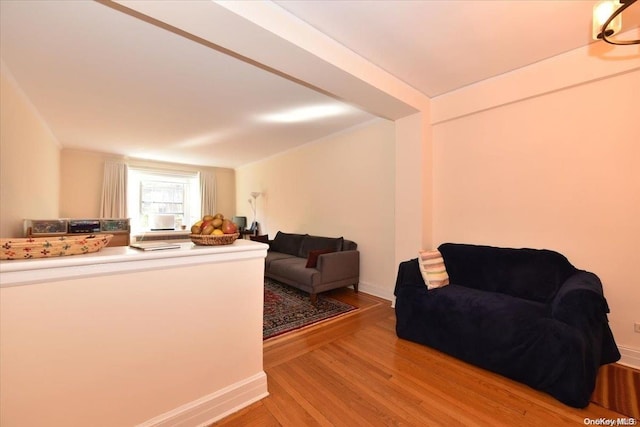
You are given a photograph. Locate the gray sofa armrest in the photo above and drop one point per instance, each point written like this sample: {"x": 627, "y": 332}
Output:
{"x": 341, "y": 265}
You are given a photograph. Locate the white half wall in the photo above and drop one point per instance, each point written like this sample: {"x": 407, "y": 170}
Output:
{"x": 123, "y": 338}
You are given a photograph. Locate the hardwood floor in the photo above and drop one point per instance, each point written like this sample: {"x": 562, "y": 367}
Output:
{"x": 618, "y": 388}
{"x": 354, "y": 371}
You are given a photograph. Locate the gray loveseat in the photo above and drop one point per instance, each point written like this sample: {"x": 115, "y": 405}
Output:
{"x": 313, "y": 264}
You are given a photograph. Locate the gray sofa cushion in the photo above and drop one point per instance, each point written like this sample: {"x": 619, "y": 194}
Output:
{"x": 274, "y": 256}
{"x": 295, "y": 269}
{"x": 287, "y": 243}
{"x": 349, "y": 245}
{"x": 312, "y": 243}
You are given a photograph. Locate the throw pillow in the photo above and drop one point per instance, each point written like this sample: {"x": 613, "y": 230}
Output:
{"x": 433, "y": 269}
{"x": 312, "y": 259}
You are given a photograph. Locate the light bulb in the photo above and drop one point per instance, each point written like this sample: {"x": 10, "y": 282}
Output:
{"x": 601, "y": 13}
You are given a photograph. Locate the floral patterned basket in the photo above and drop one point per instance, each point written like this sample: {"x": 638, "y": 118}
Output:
{"x": 47, "y": 247}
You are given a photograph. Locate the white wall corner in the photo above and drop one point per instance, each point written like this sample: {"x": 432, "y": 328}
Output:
{"x": 377, "y": 291}
{"x": 4, "y": 70}
{"x": 409, "y": 186}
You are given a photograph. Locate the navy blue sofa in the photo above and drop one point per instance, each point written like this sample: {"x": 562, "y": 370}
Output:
{"x": 526, "y": 314}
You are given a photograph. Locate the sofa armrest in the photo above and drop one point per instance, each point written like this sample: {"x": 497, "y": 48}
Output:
{"x": 409, "y": 279}
{"x": 580, "y": 303}
{"x": 339, "y": 265}
{"x": 581, "y": 294}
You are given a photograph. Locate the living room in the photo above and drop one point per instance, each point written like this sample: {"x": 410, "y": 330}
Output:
{"x": 543, "y": 156}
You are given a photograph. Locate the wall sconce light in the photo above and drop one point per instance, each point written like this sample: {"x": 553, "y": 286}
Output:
{"x": 607, "y": 20}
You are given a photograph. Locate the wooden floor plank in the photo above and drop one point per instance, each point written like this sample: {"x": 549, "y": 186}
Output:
{"x": 436, "y": 379}
{"x": 618, "y": 388}
{"x": 380, "y": 385}
{"x": 355, "y": 371}
{"x": 289, "y": 406}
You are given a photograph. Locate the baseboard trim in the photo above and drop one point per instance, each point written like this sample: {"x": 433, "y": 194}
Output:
{"x": 215, "y": 406}
{"x": 630, "y": 357}
{"x": 376, "y": 291}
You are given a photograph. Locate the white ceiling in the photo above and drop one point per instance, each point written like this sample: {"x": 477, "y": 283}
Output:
{"x": 107, "y": 81}
{"x": 438, "y": 46}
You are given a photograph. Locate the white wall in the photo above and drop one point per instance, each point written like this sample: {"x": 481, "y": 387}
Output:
{"x": 29, "y": 161}
{"x": 81, "y": 182}
{"x": 342, "y": 185}
{"x": 226, "y": 191}
{"x": 81, "y": 178}
{"x": 38, "y": 180}
{"x": 413, "y": 204}
{"x": 556, "y": 170}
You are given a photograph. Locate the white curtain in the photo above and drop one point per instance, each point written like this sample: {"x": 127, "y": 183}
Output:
{"x": 114, "y": 190}
{"x": 207, "y": 193}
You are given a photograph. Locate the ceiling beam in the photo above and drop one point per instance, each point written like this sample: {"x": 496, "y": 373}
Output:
{"x": 267, "y": 36}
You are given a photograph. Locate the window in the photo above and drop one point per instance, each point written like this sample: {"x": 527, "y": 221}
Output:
{"x": 162, "y": 197}
{"x": 155, "y": 195}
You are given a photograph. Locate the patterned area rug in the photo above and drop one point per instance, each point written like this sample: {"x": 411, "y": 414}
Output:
{"x": 287, "y": 309}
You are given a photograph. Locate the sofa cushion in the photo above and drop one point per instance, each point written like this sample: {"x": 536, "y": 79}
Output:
{"x": 533, "y": 274}
{"x": 311, "y": 243}
{"x": 433, "y": 269}
{"x": 492, "y": 330}
{"x": 295, "y": 269}
{"x": 312, "y": 259}
{"x": 287, "y": 243}
{"x": 349, "y": 245}
{"x": 274, "y": 256}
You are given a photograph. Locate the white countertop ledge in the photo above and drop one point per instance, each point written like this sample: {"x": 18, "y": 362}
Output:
{"x": 122, "y": 259}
